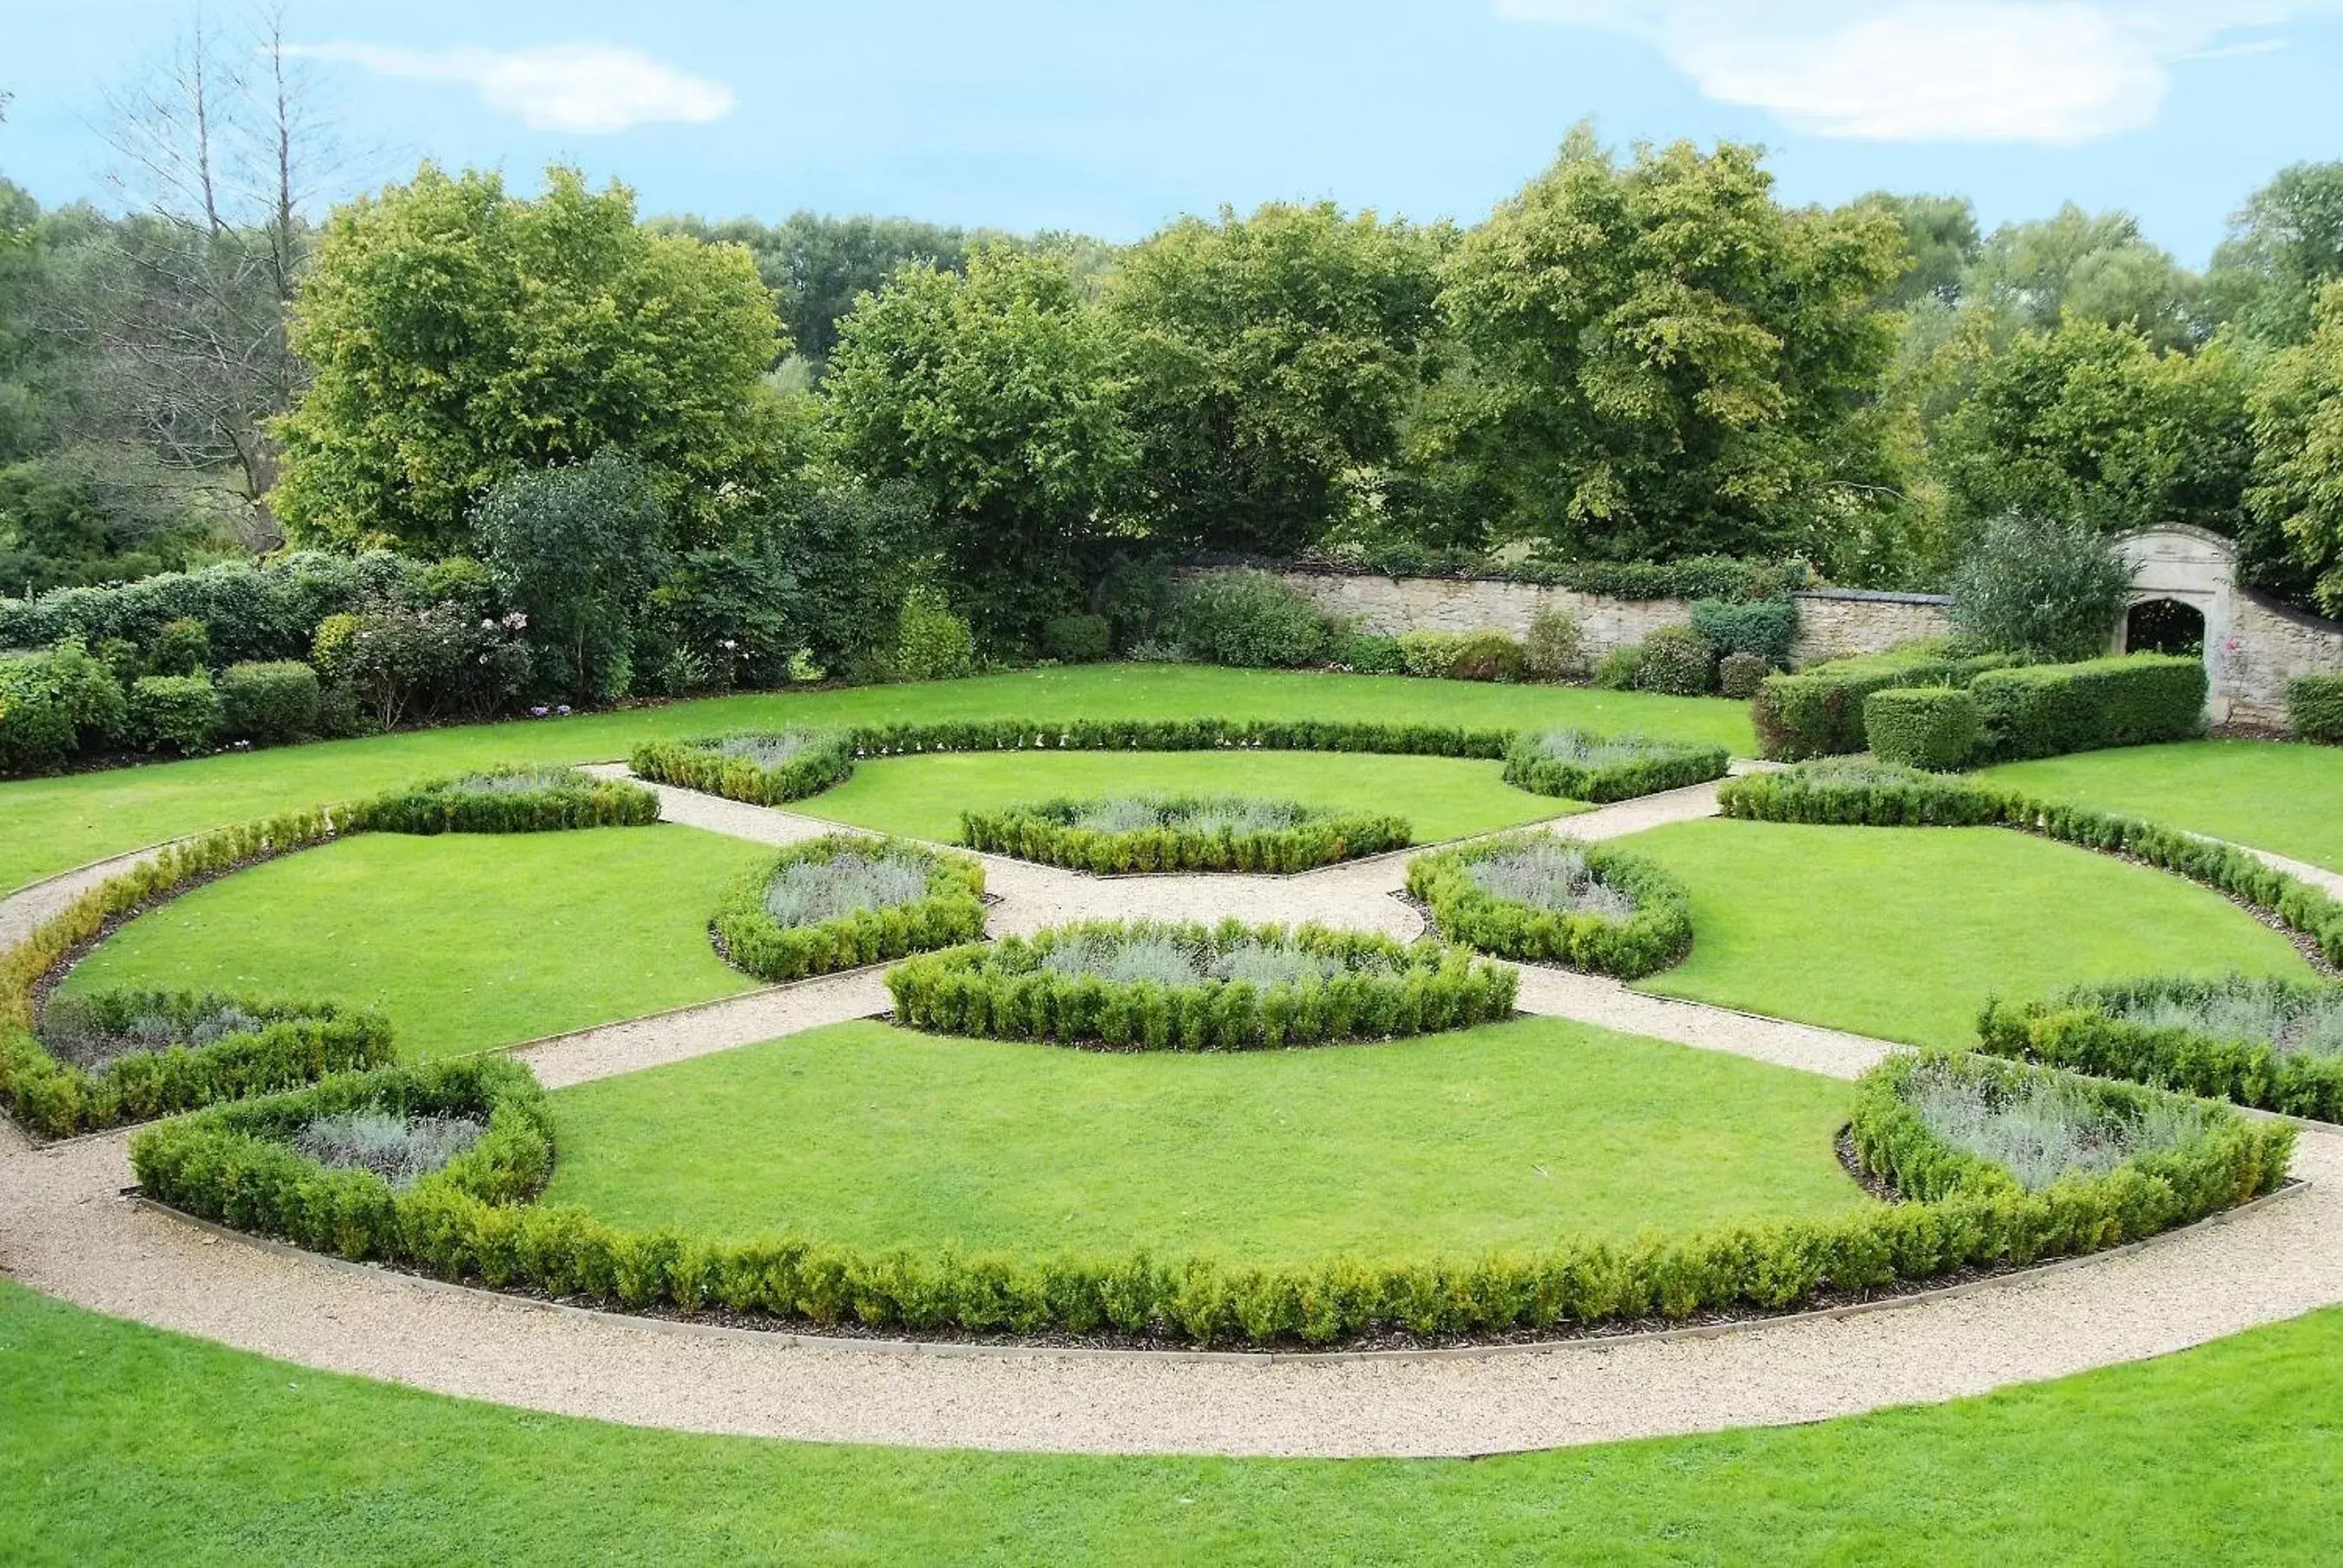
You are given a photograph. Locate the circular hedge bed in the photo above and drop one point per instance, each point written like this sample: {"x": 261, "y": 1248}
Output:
{"x": 844, "y": 899}
{"x": 1116, "y": 835}
{"x": 1540, "y": 898}
{"x": 506, "y": 800}
{"x": 1577, "y": 765}
{"x": 764, "y": 767}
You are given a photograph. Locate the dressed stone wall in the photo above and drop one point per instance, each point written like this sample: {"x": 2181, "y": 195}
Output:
{"x": 2253, "y": 646}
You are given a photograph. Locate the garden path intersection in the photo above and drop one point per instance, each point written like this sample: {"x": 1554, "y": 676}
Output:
{"x": 66, "y": 1229}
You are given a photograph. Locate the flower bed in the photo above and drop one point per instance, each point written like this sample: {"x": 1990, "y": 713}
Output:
{"x": 506, "y": 800}
{"x": 1548, "y": 899}
{"x": 2273, "y": 1044}
{"x": 1181, "y": 833}
{"x": 2125, "y": 1163}
{"x": 1579, "y": 765}
{"x": 764, "y": 767}
{"x": 1142, "y": 985}
{"x": 843, "y": 901}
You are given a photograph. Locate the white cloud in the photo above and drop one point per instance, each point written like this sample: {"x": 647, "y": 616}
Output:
{"x": 587, "y": 88}
{"x": 2050, "y": 71}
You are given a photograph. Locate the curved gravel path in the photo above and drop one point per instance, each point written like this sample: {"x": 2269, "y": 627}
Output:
{"x": 66, "y": 1229}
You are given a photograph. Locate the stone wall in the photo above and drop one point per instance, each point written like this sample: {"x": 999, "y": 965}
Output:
{"x": 1832, "y": 621}
{"x": 2268, "y": 645}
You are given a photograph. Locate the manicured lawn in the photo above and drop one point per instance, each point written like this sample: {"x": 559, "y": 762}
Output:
{"x": 467, "y": 941}
{"x": 2272, "y": 795}
{"x": 1503, "y": 1136}
{"x": 1904, "y": 932}
{"x": 122, "y": 1445}
{"x": 1440, "y": 796}
{"x": 48, "y": 825}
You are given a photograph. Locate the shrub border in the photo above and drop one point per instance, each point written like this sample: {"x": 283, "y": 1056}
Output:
{"x": 1666, "y": 765}
{"x": 752, "y": 941}
{"x": 438, "y": 806}
{"x": 1657, "y": 936}
{"x": 1039, "y": 833}
{"x": 827, "y": 758}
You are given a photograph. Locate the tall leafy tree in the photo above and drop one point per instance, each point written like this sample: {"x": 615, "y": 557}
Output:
{"x": 1270, "y": 359}
{"x": 995, "y": 395}
{"x": 1664, "y": 359}
{"x": 461, "y": 335}
{"x": 2284, "y": 245}
{"x": 2298, "y": 408}
{"x": 2086, "y": 267}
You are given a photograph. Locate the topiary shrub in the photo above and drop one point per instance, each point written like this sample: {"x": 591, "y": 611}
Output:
{"x": 267, "y": 703}
{"x": 1620, "y": 669}
{"x": 1133, "y": 834}
{"x": 1556, "y": 648}
{"x": 1250, "y": 619}
{"x": 177, "y": 713}
{"x": 843, "y": 901}
{"x": 513, "y": 800}
{"x": 1763, "y": 628}
{"x": 1818, "y": 712}
{"x": 1077, "y": 639}
{"x": 2314, "y": 707}
{"x": 1738, "y": 675}
{"x": 1934, "y": 727}
{"x": 1579, "y": 765}
{"x": 763, "y": 768}
{"x": 1677, "y": 661}
{"x": 1546, "y": 900}
{"x": 1370, "y": 653}
{"x": 1462, "y": 655}
{"x": 931, "y": 643}
{"x": 2048, "y": 709}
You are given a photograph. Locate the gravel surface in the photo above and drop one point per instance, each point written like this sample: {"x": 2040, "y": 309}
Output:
{"x": 28, "y": 907}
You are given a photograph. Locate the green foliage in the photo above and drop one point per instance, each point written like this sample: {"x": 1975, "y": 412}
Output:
{"x": 1657, "y": 933}
{"x": 2314, "y": 707}
{"x": 994, "y": 395}
{"x": 1676, "y": 660}
{"x": 1250, "y": 619}
{"x": 1462, "y": 655}
{"x": 750, "y": 939}
{"x": 1556, "y": 648}
{"x": 1853, "y": 792}
{"x": 1818, "y": 712}
{"x": 2120, "y": 1031}
{"x": 2298, "y": 408}
{"x": 1665, "y": 360}
{"x": 460, "y": 335}
{"x": 64, "y": 525}
{"x": 762, "y": 769}
{"x": 1379, "y": 990}
{"x": 931, "y": 643}
{"x": 2041, "y": 587}
{"x": 575, "y": 548}
{"x": 427, "y": 664}
{"x": 1620, "y": 669}
{"x": 268, "y": 703}
{"x": 1739, "y": 675}
{"x": 2044, "y": 709}
{"x": 1052, "y": 833}
{"x": 1077, "y": 639}
{"x": 1370, "y": 653}
{"x": 1932, "y": 727}
{"x": 516, "y": 800}
{"x": 56, "y": 705}
{"x": 181, "y": 647}
{"x": 1176, "y": 735}
{"x": 177, "y": 713}
{"x": 2284, "y": 245}
{"x": 1578, "y": 766}
{"x": 268, "y": 610}
{"x": 1269, "y": 359}
{"x": 1763, "y": 628}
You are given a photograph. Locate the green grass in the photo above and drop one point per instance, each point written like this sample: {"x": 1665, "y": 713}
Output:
{"x": 122, "y": 1445}
{"x": 467, "y": 941}
{"x": 1903, "y": 932}
{"x": 1440, "y": 796}
{"x": 2272, "y": 795}
{"x": 1496, "y": 1137}
{"x": 49, "y": 825}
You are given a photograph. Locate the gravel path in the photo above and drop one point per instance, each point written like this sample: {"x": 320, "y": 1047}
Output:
{"x": 28, "y": 907}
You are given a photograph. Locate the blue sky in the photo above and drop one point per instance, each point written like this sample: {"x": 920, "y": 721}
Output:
{"x": 1111, "y": 118}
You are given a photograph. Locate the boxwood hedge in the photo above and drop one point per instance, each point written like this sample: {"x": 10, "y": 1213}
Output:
{"x": 1934, "y": 727}
{"x": 2049, "y": 710}
{"x": 752, "y": 939}
{"x": 1577, "y": 766}
{"x": 2314, "y": 707}
{"x": 730, "y": 766}
{"x": 1656, "y": 935}
{"x": 1051, "y": 833}
{"x": 519, "y": 800}
{"x": 1818, "y": 712}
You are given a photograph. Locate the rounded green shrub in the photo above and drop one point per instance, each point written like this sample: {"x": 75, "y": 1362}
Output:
{"x": 1556, "y": 647}
{"x": 1678, "y": 661}
{"x": 843, "y": 900}
{"x": 1250, "y": 619}
{"x": 177, "y": 713}
{"x": 1932, "y": 727}
{"x": 1077, "y": 639}
{"x": 1739, "y": 675}
{"x": 268, "y": 703}
{"x": 931, "y": 643}
{"x": 180, "y": 647}
{"x": 1620, "y": 669}
{"x": 1370, "y": 653}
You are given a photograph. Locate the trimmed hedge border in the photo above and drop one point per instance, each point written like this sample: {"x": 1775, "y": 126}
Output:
{"x": 827, "y": 758}
{"x": 1657, "y": 935}
{"x": 1934, "y": 727}
{"x": 567, "y": 800}
{"x": 1811, "y": 793}
{"x": 474, "y": 1221}
{"x": 1659, "y": 766}
{"x": 2051, "y": 710}
{"x": 1000, "y": 991}
{"x": 2080, "y": 1031}
{"x": 2314, "y": 707}
{"x": 1818, "y": 712}
{"x": 1045, "y": 832}
{"x": 751, "y": 940}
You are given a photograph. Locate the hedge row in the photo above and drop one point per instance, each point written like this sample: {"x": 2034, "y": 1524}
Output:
{"x": 556, "y": 800}
{"x": 2049, "y": 709}
{"x": 1881, "y": 797}
{"x": 2314, "y": 707}
{"x": 1179, "y": 735}
{"x": 1046, "y": 833}
{"x": 472, "y": 1220}
{"x": 1652, "y": 765}
{"x": 1658, "y": 934}
{"x": 1385, "y": 990}
{"x": 1934, "y": 727}
{"x": 752, "y": 939}
{"x": 825, "y": 759}
{"x": 1818, "y": 712}
{"x": 2084, "y": 1031}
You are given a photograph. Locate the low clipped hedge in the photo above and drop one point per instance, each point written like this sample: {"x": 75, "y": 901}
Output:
{"x": 1387, "y": 989}
{"x": 1651, "y": 766}
{"x": 1932, "y": 727}
{"x": 1178, "y": 735}
{"x": 296, "y": 1043}
{"x": 752, "y": 939}
{"x": 2084, "y": 1031}
{"x": 538, "y": 801}
{"x": 474, "y": 1221}
{"x": 1658, "y": 934}
{"x": 1819, "y": 711}
{"x": 827, "y": 758}
{"x": 2049, "y": 710}
{"x": 1047, "y": 832}
{"x": 2314, "y": 707}
{"x": 1851, "y": 792}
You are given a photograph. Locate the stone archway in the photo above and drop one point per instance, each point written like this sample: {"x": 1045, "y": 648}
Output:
{"x": 2179, "y": 575}
{"x": 2164, "y": 625}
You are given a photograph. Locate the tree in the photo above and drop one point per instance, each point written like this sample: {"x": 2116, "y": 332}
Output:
{"x": 1940, "y": 244}
{"x": 2297, "y": 409}
{"x": 575, "y": 549}
{"x": 2085, "y": 267}
{"x": 1664, "y": 360}
{"x": 2042, "y": 588}
{"x": 2284, "y": 245}
{"x": 462, "y": 336}
{"x": 994, "y": 395}
{"x": 1270, "y": 357}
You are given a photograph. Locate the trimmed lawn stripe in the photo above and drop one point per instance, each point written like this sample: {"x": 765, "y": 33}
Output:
{"x": 2280, "y": 796}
